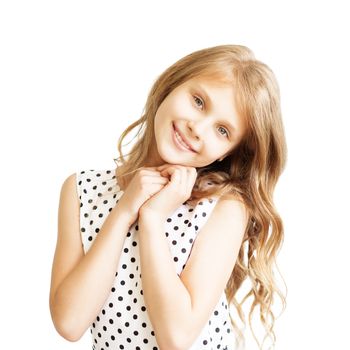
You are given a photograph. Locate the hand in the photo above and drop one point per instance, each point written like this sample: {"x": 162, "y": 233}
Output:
{"x": 145, "y": 183}
{"x": 174, "y": 193}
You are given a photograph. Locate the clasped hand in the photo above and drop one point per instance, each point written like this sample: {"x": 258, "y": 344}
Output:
{"x": 175, "y": 192}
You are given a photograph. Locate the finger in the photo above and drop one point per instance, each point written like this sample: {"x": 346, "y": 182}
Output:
{"x": 150, "y": 171}
{"x": 175, "y": 176}
{"x": 156, "y": 179}
{"x": 165, "y": 171}
{"x": 192, "y": 176}
{"x": 178, "y": 176}
{"x": 163, "y": 166}
{"x": 184, "y": 178}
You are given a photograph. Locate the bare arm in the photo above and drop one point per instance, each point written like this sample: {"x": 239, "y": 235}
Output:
{"x": 81, "y": 283}
{"x": 179, "y": 306}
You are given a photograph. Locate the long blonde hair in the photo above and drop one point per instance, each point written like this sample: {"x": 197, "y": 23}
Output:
{"x": 250, "y": 170}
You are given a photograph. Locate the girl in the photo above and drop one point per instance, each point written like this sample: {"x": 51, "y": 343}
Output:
{"x": 151, "y": 255}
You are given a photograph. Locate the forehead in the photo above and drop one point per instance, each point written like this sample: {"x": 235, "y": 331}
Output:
{"x": 210, "y": 82}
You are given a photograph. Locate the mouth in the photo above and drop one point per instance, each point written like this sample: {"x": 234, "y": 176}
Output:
{"x": 180, "y": 142}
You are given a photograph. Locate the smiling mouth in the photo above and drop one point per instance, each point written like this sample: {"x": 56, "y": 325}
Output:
{"x": 180, "y": 142}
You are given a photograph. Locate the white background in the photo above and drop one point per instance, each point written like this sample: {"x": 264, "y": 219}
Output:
{"x": 74, "y": 74}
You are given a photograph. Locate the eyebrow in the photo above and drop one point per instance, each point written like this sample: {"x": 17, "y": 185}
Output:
{"x": 206, "y": 97}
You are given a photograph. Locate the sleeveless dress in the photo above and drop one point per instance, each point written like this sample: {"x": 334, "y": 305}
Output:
{"x": 123, "y": 321}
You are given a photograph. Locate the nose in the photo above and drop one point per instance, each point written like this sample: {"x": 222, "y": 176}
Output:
{"x": 197, "y": 129}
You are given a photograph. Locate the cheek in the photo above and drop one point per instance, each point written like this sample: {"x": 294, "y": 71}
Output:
{"x": 160, "y": 116}
{"x": 181, "y": 106}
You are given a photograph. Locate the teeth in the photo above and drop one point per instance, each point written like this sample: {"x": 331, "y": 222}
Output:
{"x": 180, "y": 140}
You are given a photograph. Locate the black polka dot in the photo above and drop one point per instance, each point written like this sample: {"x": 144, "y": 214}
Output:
{"x": 122, "y": 321}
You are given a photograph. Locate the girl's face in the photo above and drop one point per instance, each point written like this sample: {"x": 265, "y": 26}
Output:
{"x": 203, "y": 113}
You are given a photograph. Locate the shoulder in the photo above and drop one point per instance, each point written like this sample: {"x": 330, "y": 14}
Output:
{"x": 69, "y": 194}
{"x": 69, "y": 182}
{"x": 70, "y": 179}
{"x": 231, "y": 211}
{"x": 226, "y": 223}
{"x": 232, "y": 202}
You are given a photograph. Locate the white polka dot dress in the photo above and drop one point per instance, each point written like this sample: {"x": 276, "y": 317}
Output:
{"x": 123, "y": 321}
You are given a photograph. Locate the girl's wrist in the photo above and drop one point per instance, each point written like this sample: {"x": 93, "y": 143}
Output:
{"x": 147, "y": 216}
{"x": 123, "y": 215}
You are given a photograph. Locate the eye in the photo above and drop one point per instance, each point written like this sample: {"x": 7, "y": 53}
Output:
{"x": 198, "y": 100}
{"x": 227, "y": 134}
